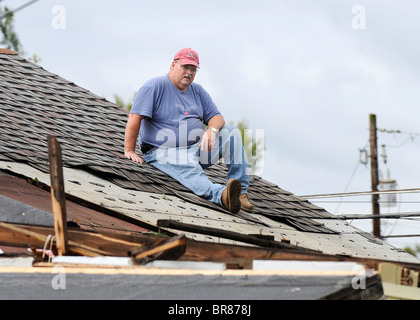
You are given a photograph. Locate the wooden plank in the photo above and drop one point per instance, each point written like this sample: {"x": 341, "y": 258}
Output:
{"x": 12, "y": 234}
{"x": 30, "y": 237}
{"x": 172, "y": 249}
{"x": 114, "y": 243}
{"x": 228, "y": 235}
{"x": 195, "y": 250}
{"x": 58, "y": 196}
{"x": 244, "y": 255}
{"x": 33, "y": 238}
{"x": 87, "y": 243}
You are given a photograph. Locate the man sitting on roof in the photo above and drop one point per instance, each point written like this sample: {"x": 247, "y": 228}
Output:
{"x": 168, "y": 113}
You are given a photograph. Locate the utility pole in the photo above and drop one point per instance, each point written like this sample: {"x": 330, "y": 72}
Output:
{"x": 374, "y": 174}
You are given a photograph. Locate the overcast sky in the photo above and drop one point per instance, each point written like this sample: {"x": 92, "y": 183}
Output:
{"x": 307, "y": 72}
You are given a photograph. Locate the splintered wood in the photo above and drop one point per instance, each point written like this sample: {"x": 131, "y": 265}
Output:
{"x": 142, "y": 248}
{"x": 77, "y": 242}
{"x": 173, "y": 249}
{"x": 58, "y": 196}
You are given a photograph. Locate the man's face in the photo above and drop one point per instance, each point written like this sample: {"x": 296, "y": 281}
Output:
{"x": 182, "y": 75}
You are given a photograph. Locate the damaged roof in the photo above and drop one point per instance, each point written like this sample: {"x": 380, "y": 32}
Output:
{"x": 35, "y": 103}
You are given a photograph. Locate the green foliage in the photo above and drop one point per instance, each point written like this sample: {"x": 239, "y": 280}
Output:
{"x": 413, "y": 250}
{"x": 120, "y": 102}
{"x": 254, "y": 148}
{"x": 10, "y": 39}
{"x": 35, "y": 58}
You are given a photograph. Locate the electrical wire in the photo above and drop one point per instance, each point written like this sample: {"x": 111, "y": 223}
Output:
{"x": 398, "y": 132}
{"x": 368, "y": 216}
{"x": 348, "y": 184}
{"x": 401, "y": 236}
{"x": 366, "y": 201}
{"x": 359, "y": 193}
{"x": 18, "y": 9}
{"x": 401, "y": 144}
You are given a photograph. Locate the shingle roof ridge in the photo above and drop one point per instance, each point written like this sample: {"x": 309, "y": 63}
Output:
{"x": 50, "y": 104}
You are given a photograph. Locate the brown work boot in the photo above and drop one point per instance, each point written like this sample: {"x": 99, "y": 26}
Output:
{"x": 245, "y": 204}
{"x": 230, "y": 196}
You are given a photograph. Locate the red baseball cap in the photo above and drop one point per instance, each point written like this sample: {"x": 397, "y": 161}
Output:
{"x": 187, "y": 56}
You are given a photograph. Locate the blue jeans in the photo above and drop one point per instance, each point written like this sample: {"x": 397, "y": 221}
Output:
{"x": 187, "y": 164}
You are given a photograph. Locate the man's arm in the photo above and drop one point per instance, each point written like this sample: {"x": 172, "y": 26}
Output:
{"x": 131, "y": 132}
{"x": 209, "y": 137}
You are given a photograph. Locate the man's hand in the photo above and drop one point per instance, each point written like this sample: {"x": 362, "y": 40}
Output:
{"x": 208, "y": 140}
{"x": 209, "y": 137}
{"x": 133, "y": 156}
{"x": 130, "y": 139}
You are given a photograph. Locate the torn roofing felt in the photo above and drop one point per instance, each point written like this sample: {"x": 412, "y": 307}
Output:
{"x": 35, "y": 102}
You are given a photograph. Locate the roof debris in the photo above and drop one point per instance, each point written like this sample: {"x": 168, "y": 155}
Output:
{"x": 35, "y": 103}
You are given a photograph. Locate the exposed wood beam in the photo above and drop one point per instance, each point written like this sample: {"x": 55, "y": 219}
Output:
{"x": 80, "y": 242}
{"x": 58, "y": 196}
{"x": 250, "y": 239}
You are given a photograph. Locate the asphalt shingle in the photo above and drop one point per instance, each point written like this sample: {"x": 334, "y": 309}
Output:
{"x": 90, "y": 129}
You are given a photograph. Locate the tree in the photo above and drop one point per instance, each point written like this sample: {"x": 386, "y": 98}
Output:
{"x": 413, "y": 250}
{"x": 254, "y": 146}
{"x": 10, "y": 38}
{"x": 125, "y": 105}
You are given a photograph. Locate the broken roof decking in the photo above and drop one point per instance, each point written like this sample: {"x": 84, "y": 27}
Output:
{"x": 35, "y": 102}
{"x": 90, "y": 129}
{"x": 16, "y": 194}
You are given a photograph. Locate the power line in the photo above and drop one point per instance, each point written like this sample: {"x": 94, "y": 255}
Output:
{"x": 348, "y": 184}
{"x": 391, "y": 131}
{"x": 411, "y": 136}
{"x": 402, "y": 236}
{"x": 381, "y": 216}
{"x": 362, "y": 201}
{"x": 17, "y": 9}
{"x": 359, "y": 193}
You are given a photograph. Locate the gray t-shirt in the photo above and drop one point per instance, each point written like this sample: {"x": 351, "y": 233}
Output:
{"x": 173, "y": 118}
